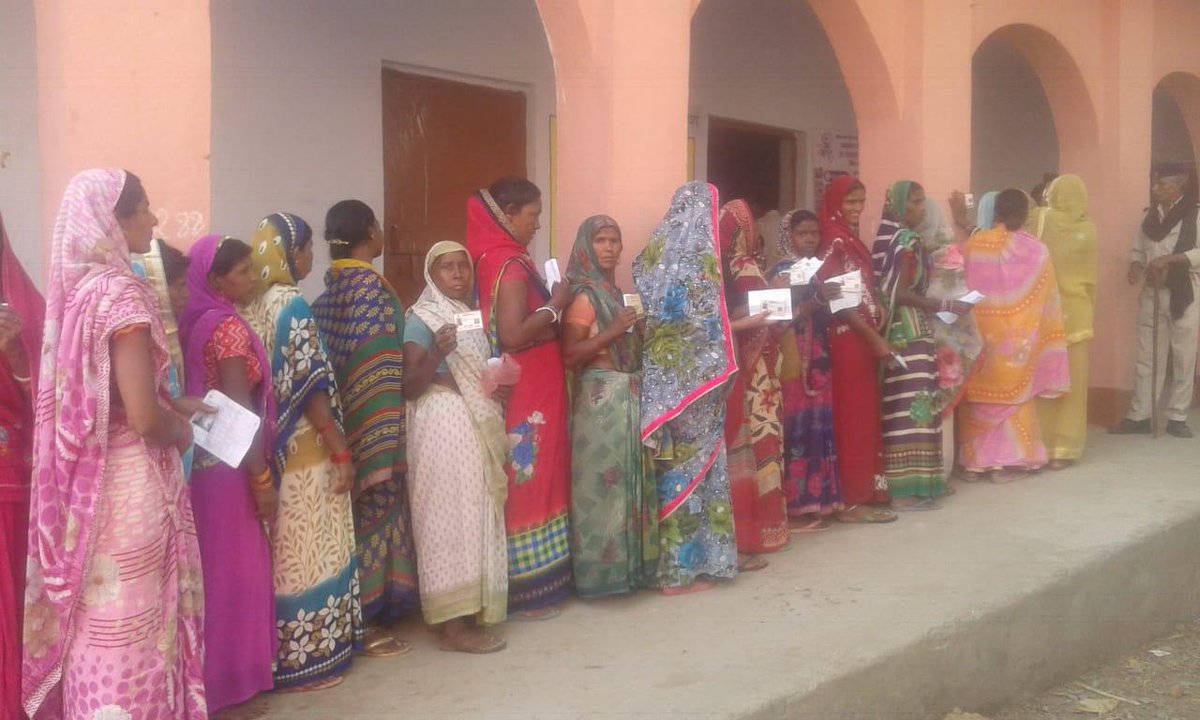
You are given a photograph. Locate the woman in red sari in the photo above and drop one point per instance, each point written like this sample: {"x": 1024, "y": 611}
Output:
{"x": 857, "y": 348}
{"x": 521, "y": 316}
{"x": 21, "y": 319}
{"x": 753, "y": 431}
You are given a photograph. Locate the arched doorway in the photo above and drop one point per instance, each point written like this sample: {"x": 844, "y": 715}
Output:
{"x": 1171, "y": 132}
{"x": 770, "y": 115}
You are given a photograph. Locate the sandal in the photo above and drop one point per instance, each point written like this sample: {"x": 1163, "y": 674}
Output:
{"x": 751, "y": 563}
{"x": 474, "y": 643}
{"x": 546, "y": 613}
{"x": 386, "y": 646}
{"x": 856, "y": 515}
{"x": 314, "y": 686}
{"x": 817, "y": 524}
{"x": 973, "y": 476}
{"x": 695, "y": 587}
{"x": 921, "y": 505}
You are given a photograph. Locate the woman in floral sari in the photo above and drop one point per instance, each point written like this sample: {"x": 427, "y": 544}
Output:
{"x": 912, "y": 421}
{"x": 753, "y": 432}
{"x": 856, "y": 348}
{"x": 810, "y": 481}
{"x": 233, "y": 504}
{"x": 688, "y": 360}
{"x": 614, "y": 504}
{"x": 522, "y": 317}
{"x": 113, "y": 606}
{"x": 1025, "y": 349}
{"x": 22, "y": 315}
{"x": 1070, "y": 236}
{"x": 457, "y": 450}
{"x": 361, "y": 323}
{"x": 315, "y": 570}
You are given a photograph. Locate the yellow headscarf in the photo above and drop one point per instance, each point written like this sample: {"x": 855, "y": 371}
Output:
{"x": 1071, "y": 239}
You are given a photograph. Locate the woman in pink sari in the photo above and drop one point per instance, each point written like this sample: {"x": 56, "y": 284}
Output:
{"x": 113, "y": 605}
{"x": 21, "y": 318}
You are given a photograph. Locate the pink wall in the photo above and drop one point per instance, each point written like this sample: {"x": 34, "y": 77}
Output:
{"x": 128, "y": 83}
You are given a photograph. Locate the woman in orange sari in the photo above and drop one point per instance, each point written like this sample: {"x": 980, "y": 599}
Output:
{"x": 1025, "y": 348}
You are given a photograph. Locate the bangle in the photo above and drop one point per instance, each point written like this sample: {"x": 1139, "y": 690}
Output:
{"x": 554, "y": 315}
{"x": 320, "y": 428}
{"x": 23, "y": 380}
{"x": 341, "y": 458}
{"x": 263, "y": 480}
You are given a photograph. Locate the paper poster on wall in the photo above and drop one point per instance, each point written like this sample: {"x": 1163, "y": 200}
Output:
{"x": 833, "y": 153}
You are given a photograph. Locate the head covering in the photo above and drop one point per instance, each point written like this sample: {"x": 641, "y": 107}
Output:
{"x": 833, "y": 223}
{"x": 1070, "y": 236}
{"x": 23, "y": 297}
{"x": 985, "y": 214}
{"x": 897, "y": 200}
{"x": 92, "y": 293}
{"x": 893, "y": 240}
{"x": 689, "y": 348}
{"x": 1156, "y": 228}
{"x": 467, "y": 363}
{"x": 787, "y": 252}
{"x": 206, "y": 310}
{"x": 274, "y": 245}
{"x": 585, "y": 276}
{"x": 740, "y": 248}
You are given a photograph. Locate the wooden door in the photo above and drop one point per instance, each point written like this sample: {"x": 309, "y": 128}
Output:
{"x": 442, "y": 141}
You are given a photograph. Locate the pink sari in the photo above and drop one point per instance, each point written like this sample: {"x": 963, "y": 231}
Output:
{"x": 113, "y": 607}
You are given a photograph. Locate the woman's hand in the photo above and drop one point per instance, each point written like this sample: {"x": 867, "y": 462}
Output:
{"x": 266, "y": 502}
{"x": 188, "y": 406}
{"x": 1135, "y": 274}
{"x": 10, "y": 330}
{"x": 960, "y": 308}
{"x": 881, "y": 347}
{"x": 958, "y": 209}
{"x": 343, "y": 478}
{"x": 560, "y": 296}
{"x": 752, "y": 322}
{"x": 781, "y": 280}
{"x": 502, "y": 393}
{"x": 829, "y": 291}
{"x": 624, "y": 320}
{"x": 445, "y": 340}
{"x": 183, "y": 438}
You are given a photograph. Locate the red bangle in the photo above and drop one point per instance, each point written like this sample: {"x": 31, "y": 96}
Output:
{"x": 342, "y": 457}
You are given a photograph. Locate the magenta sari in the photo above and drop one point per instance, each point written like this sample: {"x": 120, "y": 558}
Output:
{"x": 113, "y": 606}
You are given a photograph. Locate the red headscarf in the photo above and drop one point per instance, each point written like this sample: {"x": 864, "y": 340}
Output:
{"x": 23, "y": 297}
{"x": 833, "y": 223}
{"x": 492, "y": 243}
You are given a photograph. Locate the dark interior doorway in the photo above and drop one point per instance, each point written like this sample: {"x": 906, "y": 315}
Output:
{"x": 756, "y": 163}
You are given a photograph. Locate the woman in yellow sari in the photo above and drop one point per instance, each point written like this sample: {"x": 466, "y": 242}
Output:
{"x": 1070, "y": 236}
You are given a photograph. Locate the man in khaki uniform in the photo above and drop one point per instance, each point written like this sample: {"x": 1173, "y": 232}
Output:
{"x": 1166, "y": 261}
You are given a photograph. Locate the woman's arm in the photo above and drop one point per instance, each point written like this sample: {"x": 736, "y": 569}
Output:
{"x": 517, "y": 326}
{"x": 133, "y": 368}
{"x": 855, "y": 320}
{"x": 420, "y": 364}
{"x": 319, "y": 412}
{"x": 579, "y": 349}
{"x": 234, "y": 380}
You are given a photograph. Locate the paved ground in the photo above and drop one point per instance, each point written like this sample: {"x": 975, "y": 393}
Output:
{"x": 1008, "y": 589}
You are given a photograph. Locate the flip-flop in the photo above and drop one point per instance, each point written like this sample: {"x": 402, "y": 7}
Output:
{"x": 873, "y": 517}
{"x": 315, "y": 686}
{"x": 925, "y": 505}
{"x": 753, "y": 563}
{"x": 467, "y": 645}
{"x": 695, "y": 587}
{"x": 386, "y": 646}
{"x": 539, "y": 615}
{"x": 821, "y": 524}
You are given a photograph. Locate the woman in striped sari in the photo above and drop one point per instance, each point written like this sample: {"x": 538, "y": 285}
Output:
{"x": 613, "y": 503}
{"x": 319, "y": 619}
{"x": 361, "y": 321}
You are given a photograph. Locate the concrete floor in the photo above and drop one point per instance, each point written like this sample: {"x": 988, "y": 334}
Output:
{"x": 1005, "y": 590}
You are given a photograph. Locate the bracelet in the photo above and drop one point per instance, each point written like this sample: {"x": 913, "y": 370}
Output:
{"x": 22, "y": 380}
{"x": 341, "y": 458}
{"x": 262, "y": 481}
{"x": 554, "y": 314}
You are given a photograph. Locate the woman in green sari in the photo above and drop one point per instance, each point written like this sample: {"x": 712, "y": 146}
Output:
{"x": 613, "y": 498}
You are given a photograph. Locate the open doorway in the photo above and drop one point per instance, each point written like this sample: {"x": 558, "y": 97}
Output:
{"x": 753, "y": 162}
{"x": 442, "y": 140}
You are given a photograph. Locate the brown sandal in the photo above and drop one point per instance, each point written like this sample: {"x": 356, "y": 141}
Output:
{"x": 386, "y": 646}
{"x": 476, "y": 642}
{"x": 751, "y": 563}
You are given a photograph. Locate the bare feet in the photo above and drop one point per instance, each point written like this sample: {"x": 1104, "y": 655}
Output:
{"x": 546, "y": 613}
{"x": 695, "y": 587}
{"x": 457, "y": 636}
{"x": 751, "y": 563}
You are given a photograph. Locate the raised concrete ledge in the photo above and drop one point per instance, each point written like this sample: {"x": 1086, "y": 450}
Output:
{"x": 1007, "y": 590}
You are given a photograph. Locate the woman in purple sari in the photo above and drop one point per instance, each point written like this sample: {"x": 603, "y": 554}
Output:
{"x": 231, "y": 505}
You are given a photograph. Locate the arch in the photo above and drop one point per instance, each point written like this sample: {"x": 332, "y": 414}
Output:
{"x": 1183, "y": 88}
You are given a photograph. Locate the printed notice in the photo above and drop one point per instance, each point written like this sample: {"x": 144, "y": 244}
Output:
{"x": 971, "y": 298}
{"x": 852, "y": 291}
{"x": 776, "y": 302}
{"x": 227, "y": 433}
{"x": 468, "y": 321}
{"x": 802, "y": 272}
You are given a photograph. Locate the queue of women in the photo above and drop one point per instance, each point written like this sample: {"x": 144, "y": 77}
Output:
{"x": 582, "y": 440}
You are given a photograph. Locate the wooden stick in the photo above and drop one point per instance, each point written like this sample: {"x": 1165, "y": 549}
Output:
{"x": 1154, "y": 362}
{"x": 1098, "y": 691}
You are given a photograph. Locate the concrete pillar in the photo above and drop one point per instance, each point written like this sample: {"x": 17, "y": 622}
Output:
{"x": 128, "y": 83}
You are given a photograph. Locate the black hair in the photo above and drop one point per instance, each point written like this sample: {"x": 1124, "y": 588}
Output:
{"x": 347, "y": 225}
{"x": 175, "y": 263}
{"x": 230, "y": 252}
{"x": 512, "y": 190}
{"x": 803, "y": 216}
{"x": 132, "y": 193}
{"x": 1012, "y": 207}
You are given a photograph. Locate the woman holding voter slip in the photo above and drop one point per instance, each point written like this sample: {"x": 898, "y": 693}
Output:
{"x": 614, "y": 502}
{"x": 856, "y": 348}
{"x": 457, "y": 448}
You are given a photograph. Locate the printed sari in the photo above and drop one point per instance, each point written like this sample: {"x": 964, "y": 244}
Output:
{"x": 315, "y": 568}
{"x": 114, "y": 605}
{"x": 16, "y": 446}
{"x": 810, "y": 481}
{"x": 539, "y": 468}
{"x": 912, "y": 425}
{"x": 457, "y": 451}
{"x": 239, "y": 626}
{"x": 614, "y": 504}
{"x": 1025, "y": 352}
{"x": 1070, "y": 236}
{"x": 857, "y": 426}
{"x": 361, "y": 322}
{"x": 753, "y": 431}
{"x": 689, "y": 358}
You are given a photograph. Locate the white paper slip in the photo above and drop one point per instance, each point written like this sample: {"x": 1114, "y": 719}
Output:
{"x": 634, "y": 301}
{"x": 227, "y": 433}
{"x": 852, "y": 290}
{"x": 971, "y": 298}
{"x": 468, "y": 321}
{"x": 802, "y": 272}
{"x": 552, "y": 274}
{"x": 776, "y": 302}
